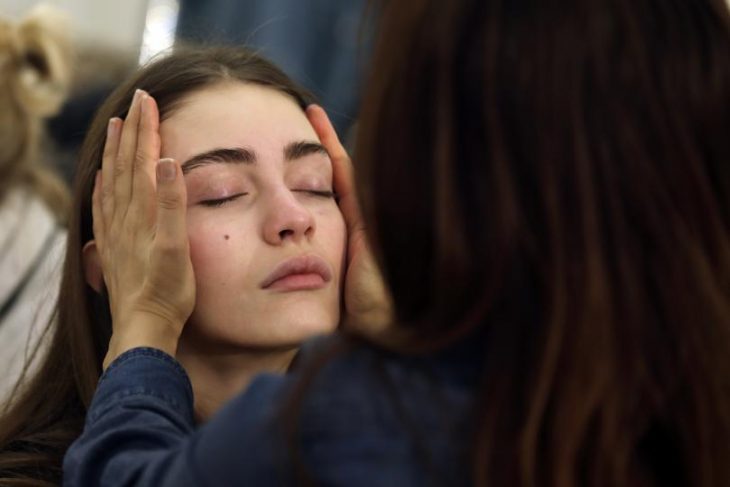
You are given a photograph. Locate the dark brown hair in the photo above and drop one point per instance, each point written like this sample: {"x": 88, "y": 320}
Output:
{"x": 49, "y": 413}
{"x": 556, "y": 175}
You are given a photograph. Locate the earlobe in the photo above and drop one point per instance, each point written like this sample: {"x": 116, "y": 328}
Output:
{"x": 92, "y": 266}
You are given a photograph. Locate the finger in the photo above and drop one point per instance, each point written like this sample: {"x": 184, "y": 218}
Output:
{"x": 97, "y": 215}
{"x": 146, "y": 157}
{"x": 171, "y": 206}
{"x": 343, "y": 172}
{"x": 111, "y": 146}
{"x": 124, "y": 162}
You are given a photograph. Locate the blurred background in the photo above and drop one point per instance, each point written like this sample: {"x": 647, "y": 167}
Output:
{"x": 323, "y": 44}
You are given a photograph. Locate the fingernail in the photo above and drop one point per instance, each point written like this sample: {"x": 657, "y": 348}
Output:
{"x": 138, "y": 95}
{"x": 166, "y": 170}
{"x": 110, "y": 128}
{"x": 142, "y": 102}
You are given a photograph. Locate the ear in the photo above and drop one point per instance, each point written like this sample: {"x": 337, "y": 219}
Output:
{"x": 92, "y": 266}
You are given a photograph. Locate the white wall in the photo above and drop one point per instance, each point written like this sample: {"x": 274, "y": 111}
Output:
{"x": 115, "y": 24}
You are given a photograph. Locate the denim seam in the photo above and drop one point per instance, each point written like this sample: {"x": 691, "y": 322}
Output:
{"x": 144, "y": 352}
{"x": 129, "y": 393}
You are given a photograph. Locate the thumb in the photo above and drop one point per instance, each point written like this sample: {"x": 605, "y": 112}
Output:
{"x": 171, "y": 202}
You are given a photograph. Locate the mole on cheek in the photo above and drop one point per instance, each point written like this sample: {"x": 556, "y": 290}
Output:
{"x": 226, "y": 237}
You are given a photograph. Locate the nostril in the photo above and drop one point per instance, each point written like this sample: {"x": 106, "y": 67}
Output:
{"x": 286, "y": 233}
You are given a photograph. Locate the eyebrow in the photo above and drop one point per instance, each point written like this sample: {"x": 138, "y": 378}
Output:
{"x": 243, "y": 155}
{"x": 299, "y": 149}
{"x": 238, "y": 155}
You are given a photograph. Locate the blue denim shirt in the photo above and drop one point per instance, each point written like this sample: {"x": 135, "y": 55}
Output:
{"x": 365, "y": 418}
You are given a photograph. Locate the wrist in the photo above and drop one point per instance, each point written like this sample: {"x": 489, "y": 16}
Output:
{"x": 142, "y": 330}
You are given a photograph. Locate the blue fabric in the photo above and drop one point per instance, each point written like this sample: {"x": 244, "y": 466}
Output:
{"x": 366, "y": 419}
{"x": 322, "y": 44}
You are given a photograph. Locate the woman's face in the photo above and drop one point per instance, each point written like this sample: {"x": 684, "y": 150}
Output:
{"x": 267, "y": 238}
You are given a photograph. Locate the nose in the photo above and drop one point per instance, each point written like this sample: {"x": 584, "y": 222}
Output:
{"x": 287, "y": 219}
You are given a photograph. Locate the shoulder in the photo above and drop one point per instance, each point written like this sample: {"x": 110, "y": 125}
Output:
{"x": 342, "y": 368}
{"x": 361, "y": 410}
{"x": 340, "y": 376}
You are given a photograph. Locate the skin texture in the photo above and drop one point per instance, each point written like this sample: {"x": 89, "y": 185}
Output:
{"x": 244, "y": 219}
{"x": 142, "y": 202}
{"x": 265, "y": 213}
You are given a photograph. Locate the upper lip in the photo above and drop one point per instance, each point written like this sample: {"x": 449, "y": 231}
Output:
{"x": 305, "y": 264}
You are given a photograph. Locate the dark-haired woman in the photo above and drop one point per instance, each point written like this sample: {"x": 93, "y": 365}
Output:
{"x": 547, "y": 188}
{"x": 266, "y": 241}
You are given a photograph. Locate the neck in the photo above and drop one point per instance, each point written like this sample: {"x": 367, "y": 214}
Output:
{"x": 217, "y": 375}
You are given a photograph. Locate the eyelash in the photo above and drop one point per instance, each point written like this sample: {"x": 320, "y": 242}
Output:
{"x": 222, "y": 201}
{"x": 321, "y": 194}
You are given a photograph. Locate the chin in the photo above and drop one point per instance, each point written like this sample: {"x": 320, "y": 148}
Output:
{"x": 276, "y": 327}
{"x": 297, "y": 325}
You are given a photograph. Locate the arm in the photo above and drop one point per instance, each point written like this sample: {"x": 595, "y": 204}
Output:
{"x": 140, "y": 431}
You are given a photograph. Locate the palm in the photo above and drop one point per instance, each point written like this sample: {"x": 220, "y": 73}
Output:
{"x": 366, "y": 299}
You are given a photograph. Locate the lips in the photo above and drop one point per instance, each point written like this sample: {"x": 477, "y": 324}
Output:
{"x": 298, "y": 273}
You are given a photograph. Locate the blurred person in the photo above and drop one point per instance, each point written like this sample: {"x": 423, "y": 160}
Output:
{"x": 266, "y": 238}
{"x": 97, "y": 71}
{"x": 35, "y": 63}
{"x": 546, "y": 187}
{"x": 319, "y": 43}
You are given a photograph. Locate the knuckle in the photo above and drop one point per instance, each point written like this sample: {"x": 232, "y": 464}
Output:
{"x": 106, "y": 192}
{"x": 119, "y": 165}
{"x": 139, "y": 159}
{"x": 169, "y": 201}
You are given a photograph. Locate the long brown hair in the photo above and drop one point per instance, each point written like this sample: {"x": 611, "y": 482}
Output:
{"x": 556, "y": 174}
{"x": 49, "y": 413}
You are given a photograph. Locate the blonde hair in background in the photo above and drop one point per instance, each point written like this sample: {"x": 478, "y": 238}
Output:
{"x": 35, "y": 74}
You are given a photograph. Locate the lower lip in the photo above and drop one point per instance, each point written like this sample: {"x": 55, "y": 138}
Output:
{"x": 298, "y": 282}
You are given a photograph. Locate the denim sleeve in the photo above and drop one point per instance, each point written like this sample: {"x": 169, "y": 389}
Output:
{"x": 140, "y": 430}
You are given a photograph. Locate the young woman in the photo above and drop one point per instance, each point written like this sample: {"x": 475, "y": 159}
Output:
{"x": 265, "y": 234}
{"x": 547, "y": 186}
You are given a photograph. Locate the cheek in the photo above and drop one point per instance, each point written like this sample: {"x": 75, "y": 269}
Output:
{"x": 216, "y": 248}
{"x": 333, "y": 235}
{"x": 207, "y": 249}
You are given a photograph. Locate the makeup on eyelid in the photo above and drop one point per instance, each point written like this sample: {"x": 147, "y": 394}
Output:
{"x": 211, "y": 196}
{"x": 238, "y": 240}
{"x": 218, "y": 188}
{"x": 311, "y": 183}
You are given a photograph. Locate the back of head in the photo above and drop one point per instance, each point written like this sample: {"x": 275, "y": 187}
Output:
{"x": 35, "y": 73}
{"x": 555, "y": 173}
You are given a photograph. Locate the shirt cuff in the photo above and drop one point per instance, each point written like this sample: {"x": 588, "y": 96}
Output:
{"x": 147, "y": 372}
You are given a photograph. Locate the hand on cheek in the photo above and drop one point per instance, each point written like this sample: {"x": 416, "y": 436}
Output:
{"x": 368, "y": 305}
{"x": 140, "y": 233}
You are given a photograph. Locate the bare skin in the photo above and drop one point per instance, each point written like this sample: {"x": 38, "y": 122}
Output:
{"x": 140, "y": 200}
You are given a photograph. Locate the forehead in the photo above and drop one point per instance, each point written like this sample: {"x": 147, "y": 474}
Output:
{"x": 234, "y": 115}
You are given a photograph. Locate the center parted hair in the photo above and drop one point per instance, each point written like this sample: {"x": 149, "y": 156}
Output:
{"x": 49, "y": 412}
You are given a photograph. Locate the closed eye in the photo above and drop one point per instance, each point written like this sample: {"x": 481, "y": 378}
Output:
{"x": 221, "y": 201}
{"x": 321, "y": 194}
